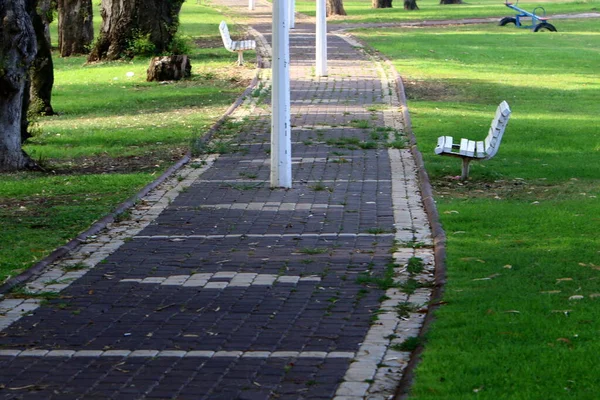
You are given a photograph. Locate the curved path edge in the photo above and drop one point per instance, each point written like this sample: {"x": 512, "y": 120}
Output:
{"x": 39, "y": 267}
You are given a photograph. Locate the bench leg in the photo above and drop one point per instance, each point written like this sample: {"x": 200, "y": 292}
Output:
{"x": 465, "y": 169}
{"x": 240, "y": 57}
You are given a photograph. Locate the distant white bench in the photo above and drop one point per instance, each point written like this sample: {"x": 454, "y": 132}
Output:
{"x": 238, "y": 46}
{"x": 470, "y": 150}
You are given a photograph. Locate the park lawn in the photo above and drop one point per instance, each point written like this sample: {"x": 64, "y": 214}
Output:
{"x": 114, "y": 133}
{"x": 360, "y": 11}
{"x": 522, "y": 299}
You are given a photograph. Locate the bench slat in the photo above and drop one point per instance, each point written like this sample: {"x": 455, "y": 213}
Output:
{"x": 480, "y": 149}
{"x": 444, "y": 145}
{"x": 464, "y": 144}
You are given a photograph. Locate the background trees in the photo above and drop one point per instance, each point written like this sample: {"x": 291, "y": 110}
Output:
{"x": 75, "y": 28}
{"x": 149, "y": 25}
{"x": 334, "y": 7}
{"x": 381, "y": 3}
{"x": 41, "y": 73}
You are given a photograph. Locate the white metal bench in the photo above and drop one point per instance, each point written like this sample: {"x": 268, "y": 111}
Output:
{"x": 238, "y": 46}
{"x": 470, "y": 150}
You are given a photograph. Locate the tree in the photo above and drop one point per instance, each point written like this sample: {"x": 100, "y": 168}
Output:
{"x": 410, "y": 5}
{"x": 149, "y": 25}
{"x": 41, "y": 73}
{"x": 381, "y": 3}
{"x": 451, "y": 2}
{"x": 335, "y": 7}
{"x": 17, "y": 51}
{"x": 75, "y": 27}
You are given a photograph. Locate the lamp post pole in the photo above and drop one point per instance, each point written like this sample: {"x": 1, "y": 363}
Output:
{"x": 281, "y": 144}
{"x": 321, "y": 39}
{"x": 292, "y": 12}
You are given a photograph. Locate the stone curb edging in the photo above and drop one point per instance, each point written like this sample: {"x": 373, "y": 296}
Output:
{"x": 102, "y": 223}
{"x": 439, "y": 238}
{"x": 438, "y": 234}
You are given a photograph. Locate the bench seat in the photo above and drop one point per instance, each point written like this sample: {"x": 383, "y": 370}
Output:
{"x": 470, "y": 150}
{"x": 234, "y": 46}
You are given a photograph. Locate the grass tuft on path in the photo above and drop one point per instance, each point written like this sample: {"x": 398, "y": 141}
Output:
{"x": 523, "y": 245}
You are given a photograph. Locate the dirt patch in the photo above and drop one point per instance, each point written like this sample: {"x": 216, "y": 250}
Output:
{"x": 517, "y": 188}
{"x": 209, "y": 42}
{"x": 429, "y": 90}
{"x": 157, "y": 159}
{"x": 450, "y": 186}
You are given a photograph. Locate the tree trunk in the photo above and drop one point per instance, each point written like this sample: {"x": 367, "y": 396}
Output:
{"x": 169, "y": 68}
{"x": 410, "y": 5}
{"x": 45, "y": 8}
{"x": 335, "y": 7}
{"x": 75, "y": 28}
{"x": 41, "y": 72}
{"x": 382, "y": 3}
{"x": 17, "y": 52}
{"x": 451, "y": 2}
{"x": 125, "y": 22}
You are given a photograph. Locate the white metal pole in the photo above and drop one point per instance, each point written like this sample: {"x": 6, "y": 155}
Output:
{"x": 321, "y": 39}
{"x": 292, "y": 14}
{"x": 281, "y": 143}
{"x": 251, "y": 5}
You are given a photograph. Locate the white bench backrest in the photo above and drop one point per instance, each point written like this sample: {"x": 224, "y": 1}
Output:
{"x": 492, "y": 141}
{"x": 227, "y": 42}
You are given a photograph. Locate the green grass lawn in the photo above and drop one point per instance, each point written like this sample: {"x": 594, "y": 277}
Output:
{"x": 523, "y": 291}
{"x": 113, "y": 134}
{"x": 360, "y": 11}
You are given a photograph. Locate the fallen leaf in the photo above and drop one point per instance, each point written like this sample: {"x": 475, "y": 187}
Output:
{"x": 451, "y": 212}
{"x": 513, "y": 311}
{"x": 472, "y": 259}
{"x": 566, "y": 312}
{"x": 594, "y": 295}
{"x": 487, "y": 278}
{"x": 564, "y": 340}
{"x": 507, "y": 266}
{"x": 576, "y": 297}
{"x": 563, "y": 280}
{"x": 551, "y": 291}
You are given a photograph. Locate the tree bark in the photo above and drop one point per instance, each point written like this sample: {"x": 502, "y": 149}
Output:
{"x": 410, "y": 5}
{"x": 17, "y": 52}
{"x": 125, "y": 21}
{"x": 335, "y": 7}
{"x": 75, "y": 27}
{"x": 41, "y": 72}
{"x": 381, "y": 3}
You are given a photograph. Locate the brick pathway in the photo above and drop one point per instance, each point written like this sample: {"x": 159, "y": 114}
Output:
{"x": 221, "y": 288}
